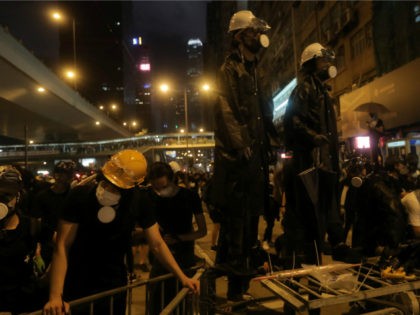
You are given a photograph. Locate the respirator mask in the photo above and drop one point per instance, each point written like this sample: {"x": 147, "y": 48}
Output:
{"x": 357, "y": 181}
{"x": 329, "y": 72}
{"x": 105, "y": 197}
{"x": 6, "y": 210}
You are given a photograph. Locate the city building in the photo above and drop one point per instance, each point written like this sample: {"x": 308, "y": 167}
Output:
{"x": 138, "y": 96}
{"x": 93, "y": 49}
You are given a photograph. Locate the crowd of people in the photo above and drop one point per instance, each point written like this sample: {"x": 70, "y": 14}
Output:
{"x": 73, "y": 239}
{"x": 65, "y": 242}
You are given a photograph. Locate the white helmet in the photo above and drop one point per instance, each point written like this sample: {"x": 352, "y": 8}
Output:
{"x": 315, "y": 50}
{"x": 246, "y": 19}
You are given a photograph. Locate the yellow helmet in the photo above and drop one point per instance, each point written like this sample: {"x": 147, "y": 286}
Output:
{"x": 126, "y": 168}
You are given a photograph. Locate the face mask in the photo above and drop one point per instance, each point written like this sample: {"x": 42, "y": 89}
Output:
{"x": 329, "y": 73}
{"x": 168, "y": 191}
{"x": 254, "y": 45}
{"x": 356, "y": 181}
{"x": 264, "y": 41}
{"x": 5, "y": 209}
{"x": 107, "y": 198}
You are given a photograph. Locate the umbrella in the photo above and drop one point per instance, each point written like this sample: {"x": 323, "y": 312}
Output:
{"x": 313, "y": 178}
{"x": 372, "y": 108}
{"x": 310, "y": 180}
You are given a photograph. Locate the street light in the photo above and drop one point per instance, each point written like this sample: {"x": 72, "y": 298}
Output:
{"x": 164, "y": 87}
{"x": 57, "y": 16}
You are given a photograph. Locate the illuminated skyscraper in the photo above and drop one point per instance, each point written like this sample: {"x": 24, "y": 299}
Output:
{"x": 195, "y": 57}
{"x": 140, "y": 103}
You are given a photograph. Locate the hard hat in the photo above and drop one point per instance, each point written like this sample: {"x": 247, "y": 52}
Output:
{"x": 315, "y": 50}
{"x": 68, "y": 167}
{"x": 246, "y": 19}
{"x": 10, "y": 180}
{"x": 126, "y": 168}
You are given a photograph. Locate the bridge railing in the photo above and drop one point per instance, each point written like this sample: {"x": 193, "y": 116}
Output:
{"x": 141, "y": 143}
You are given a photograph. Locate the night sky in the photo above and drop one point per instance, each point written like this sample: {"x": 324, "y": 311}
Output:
{"x": 165, "y": 27}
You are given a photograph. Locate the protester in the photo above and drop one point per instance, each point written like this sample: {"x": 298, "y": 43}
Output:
{"x": 175, "y": 208}
{"x": 311, "y": 134}
{"x": 47, "y": 204}
{"x": 94, "y": 235}
{"x": 18, "y": 290}
{"x": 244, "y": 128}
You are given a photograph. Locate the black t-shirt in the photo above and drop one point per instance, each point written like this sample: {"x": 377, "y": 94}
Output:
{"x": 15, "y": 247}
{"x": 96, "y": 258}
{"x": 174, "y": 216}
{"x": 47, "y": 206}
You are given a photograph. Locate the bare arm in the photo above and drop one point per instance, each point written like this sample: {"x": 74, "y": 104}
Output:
{"x": 162, "y": 252}
{"x": 66, "y": 234}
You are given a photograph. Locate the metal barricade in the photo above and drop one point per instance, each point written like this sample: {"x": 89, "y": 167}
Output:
{"x": 189, "y": 301}
{"x": 392, "y": 297}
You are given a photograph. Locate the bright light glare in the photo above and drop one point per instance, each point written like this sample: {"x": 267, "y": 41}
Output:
{"x": 70, "y": 74}
{"x": 97, "y": 123}
{"x": 124, "y": 123}
{"x": 31, "y": 141}
{"x": 164, "y": 88}
{"x": 101, "y": 107}
{"x": 56, "y": 16}
{"x": 182, "y": 130}
{"x": 41, "y": 89}
{"x": 114, "y": 107}
{"x": 206, "y": 87}
{"x": 201, "y": 130}
{"x": 362, "y": 142}
{"x": 134, "y": 123}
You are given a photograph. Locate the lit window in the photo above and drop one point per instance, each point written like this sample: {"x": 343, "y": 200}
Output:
{"x": 144, "y": 67}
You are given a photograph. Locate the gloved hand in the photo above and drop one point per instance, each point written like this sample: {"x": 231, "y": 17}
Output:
{"x": 246, "y": 153}
{"x": 38, "y": 265}
{"x": 320, "y": 140}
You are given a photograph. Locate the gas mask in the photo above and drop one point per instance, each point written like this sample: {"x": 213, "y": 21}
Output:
{"x": 357, "y": 181}
{"x": 105, "y": 197}
{"x": 327, "y": 73}
{"x": 6, "y": 210}
{"x": 254, "y": 43}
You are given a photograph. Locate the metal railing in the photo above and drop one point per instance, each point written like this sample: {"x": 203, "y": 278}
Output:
{"x": 182, "y": 300}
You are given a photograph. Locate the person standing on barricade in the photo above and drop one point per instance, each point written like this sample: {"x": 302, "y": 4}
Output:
{"x": 94, "y": 233}
{"x": 176, "y": 207}
{"x": 311, "y": 184}
{"x": 243, "y": 134}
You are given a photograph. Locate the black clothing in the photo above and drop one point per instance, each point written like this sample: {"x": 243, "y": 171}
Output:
{"x": 244, "y": 119}
{"x": 96, "y": 258}
{"x": 174, "y": 216}
{"x": 46, "y": 206}
{"x": 381, "y": 220}
{"x": 16, "y": 282}
{"x": 309, "y": 115}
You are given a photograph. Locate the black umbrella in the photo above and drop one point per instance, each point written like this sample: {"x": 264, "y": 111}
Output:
{"x": 372, "y": 107}
{"x": 313, "y": 178}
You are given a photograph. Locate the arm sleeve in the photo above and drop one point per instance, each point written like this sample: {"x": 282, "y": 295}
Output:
{"x": 300, "y": 115}
{"x": 74, "y": 204}
{"x": 143, "y": 208}
{"x": 235, "y": 131}
{"x": 197, "y": 207}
